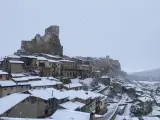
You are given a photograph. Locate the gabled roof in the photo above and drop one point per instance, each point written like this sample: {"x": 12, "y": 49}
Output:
{"x": 10, "y": 101}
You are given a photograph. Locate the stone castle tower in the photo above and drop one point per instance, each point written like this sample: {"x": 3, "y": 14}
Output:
{"x": 49, "y": 43}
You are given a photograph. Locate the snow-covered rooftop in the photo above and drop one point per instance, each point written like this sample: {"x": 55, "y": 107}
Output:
{"x": 10, "y": 101}
{"x": 76, "y": 80}
{"x": 53, "y": 61}
{"x": 42, "y": 59}
{"x": 16, "y": 61}
{"x": 29, "y": 56}
{"x": 20, "y": 79}
{"x": 13, "y": 56}
{"x": 52, "y": 56}
{"x": 105, "y": 76}
{"x": 17, "y": 75}
{"x": 73, "y": 85}
{"x": 48, "y": 93}
{"x": 7, "y": 83}
{"x": 144, "y": 99}
{"x": 71, "y": 115}
{"x": 27, "y": 78}
{"x": 70, "y": 94}
{"x": 3, "y": 73}
{"x": 87, "y": 81}
{"x": 72, "y": 105}
{"x": 44, "y": 82}
{"x": 66, "y": 61}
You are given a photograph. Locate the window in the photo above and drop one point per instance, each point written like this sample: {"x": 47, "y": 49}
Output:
{"x": 46, "y": 112}
{"x": 0, "y": 76}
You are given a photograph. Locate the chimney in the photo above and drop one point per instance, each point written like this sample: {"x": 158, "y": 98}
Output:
{"x": 92, "y": 116}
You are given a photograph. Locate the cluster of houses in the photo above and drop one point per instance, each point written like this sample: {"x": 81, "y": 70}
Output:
{"x": 32, "y": 95}
{"x": 46, "y": 65}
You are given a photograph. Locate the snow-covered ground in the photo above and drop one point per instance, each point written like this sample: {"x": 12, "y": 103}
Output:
{"x": 111, "y": 111}
{"x": 127, "y": 110}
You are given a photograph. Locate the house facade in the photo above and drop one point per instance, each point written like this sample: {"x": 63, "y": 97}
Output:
{"x": 3, "y": 75}
{"x": 9, "y": 87}
{"x": 68, "y": 68}
{"x": 31, "y": 107}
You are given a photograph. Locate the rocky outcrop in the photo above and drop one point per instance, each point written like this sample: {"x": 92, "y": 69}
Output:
{"x": 49, "y": 43}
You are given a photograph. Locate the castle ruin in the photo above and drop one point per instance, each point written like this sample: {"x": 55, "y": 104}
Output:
{"x": 49, "y": 43}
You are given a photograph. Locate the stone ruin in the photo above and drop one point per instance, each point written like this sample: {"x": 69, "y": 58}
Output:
{"x": 49, "y": 43}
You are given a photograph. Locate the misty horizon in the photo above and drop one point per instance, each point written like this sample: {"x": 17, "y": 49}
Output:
{"x": 125, "y": 30}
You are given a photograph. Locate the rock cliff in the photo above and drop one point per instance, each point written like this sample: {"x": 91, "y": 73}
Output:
{"x": 49, "y": 43}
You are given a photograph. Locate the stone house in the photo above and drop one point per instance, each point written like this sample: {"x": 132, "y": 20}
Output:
{"x": 8, "y": 87}
{"x": 3, "y": 75}
{"x": 24, "y": 105}
{"x": 68, "y": 68}
{"x": 15, "y": 66}
{"x": 55, "y": 68}
{"x": 105, "y": 80}
{"x": 7, "y": 59}
{"x": 116, "y": 87}
{"x": 29, "y": 62}
{"x": 73, "y": 86}
{"x": 130, "y": 91}
{"x": 64, "y": 80}
{"x": 145, "y": 103}
{"x": 97, "y": 74}
{"x": 85, "y": 71}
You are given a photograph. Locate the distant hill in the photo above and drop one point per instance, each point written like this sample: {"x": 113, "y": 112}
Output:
{"x": 146, "y": 75}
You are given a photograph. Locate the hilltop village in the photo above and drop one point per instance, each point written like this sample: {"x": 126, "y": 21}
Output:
{"x": 38, "y": 82}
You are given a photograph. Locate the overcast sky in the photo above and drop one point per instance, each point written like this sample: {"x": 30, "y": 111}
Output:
{"x": 127, "y": 30}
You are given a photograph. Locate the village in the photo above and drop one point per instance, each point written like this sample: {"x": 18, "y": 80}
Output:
{"x": 44, "y": 84}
